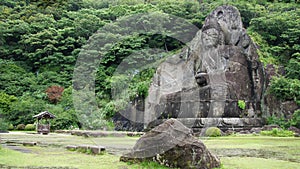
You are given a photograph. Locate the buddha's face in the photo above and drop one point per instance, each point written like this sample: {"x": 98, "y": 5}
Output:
{"x": 210, "y": 37}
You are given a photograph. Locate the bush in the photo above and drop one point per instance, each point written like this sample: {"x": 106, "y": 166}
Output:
{"x": 30, "y": 127}
{"x": 277, "y": 133}
{"x": 20, "y": 127}
{"x": 285, "y": 89}
{"x": 280, "y": 121}
{"x": 213, "y": 132}
{"x": 11, "y": 127}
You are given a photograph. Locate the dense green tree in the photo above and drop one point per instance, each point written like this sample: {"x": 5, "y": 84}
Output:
{"x": 14, "y": 80}
{"x": 40, "y": 42}
{"x": 23, "y": 110}
{"x": 5, "y": 102}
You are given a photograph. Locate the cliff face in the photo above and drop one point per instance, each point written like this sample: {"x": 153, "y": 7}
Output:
{"x": 212, "y": 77}
{"x": 216, "y": 80}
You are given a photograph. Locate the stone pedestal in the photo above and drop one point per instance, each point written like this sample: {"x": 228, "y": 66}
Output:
{"x": 197, "y": 124}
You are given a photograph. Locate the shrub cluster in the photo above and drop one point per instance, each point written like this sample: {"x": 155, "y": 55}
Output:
{"x": 277, "y": 133}
{"x": 20, "y": 127}
{"x": 30, "y": 127}
{"x": 213, "y": 132}
{"x": 285, "y": 89}
{"x": 11, "y": 127}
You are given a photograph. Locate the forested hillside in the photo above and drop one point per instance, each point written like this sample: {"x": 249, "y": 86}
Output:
{"x": 40, "y": 41}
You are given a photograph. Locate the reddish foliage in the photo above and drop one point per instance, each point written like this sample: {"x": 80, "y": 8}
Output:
{"x": 54, "y": 93}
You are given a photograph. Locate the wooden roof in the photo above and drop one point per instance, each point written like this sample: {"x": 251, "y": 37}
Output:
{"x": 45, "y": 114}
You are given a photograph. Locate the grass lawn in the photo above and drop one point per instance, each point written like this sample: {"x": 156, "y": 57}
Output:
{"x": 235, "y": 152}
{"x": 58, "y": 157}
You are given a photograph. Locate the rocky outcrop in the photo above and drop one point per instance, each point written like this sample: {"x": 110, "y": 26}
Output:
{"x": 208, "y": 79}
{"x": 172, "y": 144}
{"x": 217, "y": 76}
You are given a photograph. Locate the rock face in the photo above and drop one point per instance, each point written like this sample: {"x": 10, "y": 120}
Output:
{"x": 172, "y": 144}
{"x": 208, "y": 79}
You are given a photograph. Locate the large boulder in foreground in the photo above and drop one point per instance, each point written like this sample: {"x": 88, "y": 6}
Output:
{"x": 173, "y": 145}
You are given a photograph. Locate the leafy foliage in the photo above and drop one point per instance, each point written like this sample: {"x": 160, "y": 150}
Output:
{"x": 11, "y": 127}
{"x": 213, "y": 132}
{"x": 280, "y": 121}
{"x": 54, "y": 93}
{"x": 40, "y": 42}
{"x": 23, "y": 110}
{"x": 3, "y": 125}
{"x": 242, "y": 104}
{"x": 29, "y": 127}
{"x": 295, "y": 120}
{"x": 277, "y": 133}
{"x": 285, "y": 89}
{"x": 5, "y": 102}
{"x": 283, "y": 122}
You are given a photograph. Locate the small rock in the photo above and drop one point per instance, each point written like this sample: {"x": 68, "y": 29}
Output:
{"x": 294, "y": 129}
{"x": 256, "y": 130}
{"x": 270, "y": 127}
{"x": 229, "y": 132}
{"x": 244, "y": 132}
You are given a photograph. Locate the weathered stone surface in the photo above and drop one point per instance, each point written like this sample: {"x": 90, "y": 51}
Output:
{"x": 294, "y": 129}
{"x": 270, "y": 127}
{"x": 96, "y": 149}
{"x": 272, "y": 105}
{"x": 235, "y": 124}
{"x": 245, "y": 132}
{"x": 218, "y": 68}
{"x": 256, "y": 130}
{"x": 29, "y": 143}
{"x": 173, "y": 145}
{"x": 135, "y": 112}
{"x": 221, "y": 68}
{"x": 86, "y": 148}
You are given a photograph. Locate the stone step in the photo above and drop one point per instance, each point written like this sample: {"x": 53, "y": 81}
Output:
{"x": 29, "y": 143}
{"x": 86, "y": 148}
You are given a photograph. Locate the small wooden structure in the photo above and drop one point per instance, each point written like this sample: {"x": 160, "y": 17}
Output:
{"x": 43, "y": 128}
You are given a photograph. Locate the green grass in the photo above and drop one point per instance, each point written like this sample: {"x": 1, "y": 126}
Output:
{"x": 247, "y": 151}
{"x": 235, "y": 152}
{"x": 56, "y": 157}
{"x": 277, "y": 133}
{"x": 256, "y": 163}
